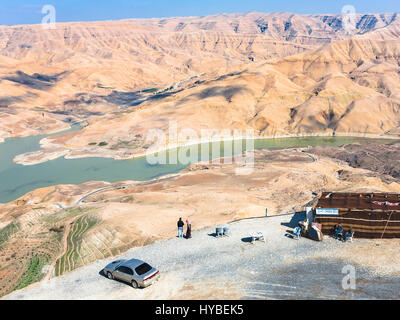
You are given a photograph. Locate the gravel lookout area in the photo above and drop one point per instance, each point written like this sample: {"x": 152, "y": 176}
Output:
{"x": 206, "y": 267}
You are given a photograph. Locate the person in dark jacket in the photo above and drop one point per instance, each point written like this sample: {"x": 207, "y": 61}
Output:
{"x": 189, "y": 229}
{"x": 339, "y": 232}
{"x": 180, "y": 228}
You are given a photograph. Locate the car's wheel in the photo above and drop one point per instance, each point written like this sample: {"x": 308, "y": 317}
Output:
{"x": 110, "y": 276}
{"x": 135, "y": 284}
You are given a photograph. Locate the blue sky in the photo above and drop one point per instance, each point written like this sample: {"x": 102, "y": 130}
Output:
{"x": 29, "y": 11}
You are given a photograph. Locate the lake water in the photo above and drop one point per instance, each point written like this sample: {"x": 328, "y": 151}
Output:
{"x": 16, "y": 180}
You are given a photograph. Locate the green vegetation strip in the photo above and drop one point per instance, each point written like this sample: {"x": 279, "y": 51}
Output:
{"x": 151, "y": 90}
{"x": 70, "y": 260}
{"x": 65, "y": 214}
{"x": 7, "y": 232}
{"x": 33, "y": 273}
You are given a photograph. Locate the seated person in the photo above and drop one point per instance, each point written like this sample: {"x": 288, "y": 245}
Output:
{"x": 339, "y": 231}
{"x": 348, "y": 234}
{"x": 336, "y": 230}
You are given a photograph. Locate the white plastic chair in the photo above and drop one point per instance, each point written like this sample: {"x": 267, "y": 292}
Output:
{"x": 219, "y": 232}
{"x": 260, "y": 236}
{"x": 227, "y": 231}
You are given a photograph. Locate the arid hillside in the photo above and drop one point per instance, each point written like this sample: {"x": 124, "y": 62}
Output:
{"x": 348, "y": 87}
{"x": 81, "y": 70}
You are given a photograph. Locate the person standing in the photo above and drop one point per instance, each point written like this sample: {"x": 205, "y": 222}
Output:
{"x": 180, "y": 228}
{"x": 189, "y": 229}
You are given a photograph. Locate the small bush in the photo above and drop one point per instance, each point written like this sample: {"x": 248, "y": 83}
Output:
{"x": 102, "y": 144}
{"x": 92, "y": 143}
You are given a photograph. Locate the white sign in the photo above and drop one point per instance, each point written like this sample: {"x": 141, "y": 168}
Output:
{"x": 327, "y": 212}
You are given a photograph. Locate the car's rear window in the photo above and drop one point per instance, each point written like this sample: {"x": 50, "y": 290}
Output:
{"x": 142, "y": 269}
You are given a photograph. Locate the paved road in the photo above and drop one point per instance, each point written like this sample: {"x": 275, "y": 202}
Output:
{"x": 122, "y": 186}
{"x": 94, "y": 192}
{"x": 281, "y": 269}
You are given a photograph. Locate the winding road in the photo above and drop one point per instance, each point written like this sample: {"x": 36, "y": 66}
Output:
{"x": 123, "y": 186}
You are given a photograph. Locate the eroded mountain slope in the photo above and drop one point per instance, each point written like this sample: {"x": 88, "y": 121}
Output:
{"x": 81, "y": 70}
{"x": 345, "y": 88}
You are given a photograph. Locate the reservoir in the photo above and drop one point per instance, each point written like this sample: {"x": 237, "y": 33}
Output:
{"x": 16, "y": 180}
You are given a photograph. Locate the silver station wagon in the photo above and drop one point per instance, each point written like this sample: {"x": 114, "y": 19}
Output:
{"x": 135, "y": 272}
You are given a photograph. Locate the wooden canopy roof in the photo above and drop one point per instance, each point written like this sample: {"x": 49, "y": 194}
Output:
{"x": 360, "y": 201}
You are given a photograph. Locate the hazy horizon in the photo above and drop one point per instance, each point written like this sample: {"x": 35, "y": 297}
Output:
{"x": 21, "y": 12}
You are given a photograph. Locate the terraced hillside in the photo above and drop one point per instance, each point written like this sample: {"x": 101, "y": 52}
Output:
{"x": 72, "y": 258}
{"x": 47, "y": 241}
{"x": 31, "y": 244}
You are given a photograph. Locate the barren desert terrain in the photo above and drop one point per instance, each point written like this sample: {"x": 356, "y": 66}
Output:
{"x": 278, "y": 74}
